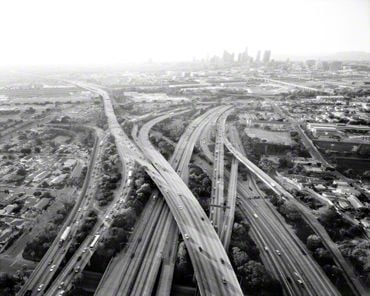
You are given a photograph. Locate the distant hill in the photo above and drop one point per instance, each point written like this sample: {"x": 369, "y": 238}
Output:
{"x": 338, "y": 56}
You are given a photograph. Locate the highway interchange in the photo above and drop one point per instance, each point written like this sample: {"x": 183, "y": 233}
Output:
{"x": 146, "y": 266}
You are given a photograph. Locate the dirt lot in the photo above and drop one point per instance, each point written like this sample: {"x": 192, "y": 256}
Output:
{"x": 270, "y": 136}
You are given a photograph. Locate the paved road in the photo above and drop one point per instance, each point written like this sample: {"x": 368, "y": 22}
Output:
{"x": 286, "y": 267}
{"x": 213, "y": 271}
{"x": 218, "y": 201}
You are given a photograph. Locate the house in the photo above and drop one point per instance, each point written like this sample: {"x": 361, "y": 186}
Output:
{"x": 42, "y": 204}
{"x": 8, "y": 209}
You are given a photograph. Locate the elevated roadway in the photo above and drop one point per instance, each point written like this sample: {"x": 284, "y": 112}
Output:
{"x": 213, "y": 271}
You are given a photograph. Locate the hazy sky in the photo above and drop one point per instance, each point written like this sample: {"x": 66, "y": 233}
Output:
{"x": 107, "y": 31}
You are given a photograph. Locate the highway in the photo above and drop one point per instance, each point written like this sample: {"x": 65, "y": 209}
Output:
{"x": 228, "y": 224}
{"x": 143, "y": 257}
{"x": 311, "y": 89}
{"x": 213, "y": 270}
{"x": 84, "y": 253}
{"x": 180, "y": 161}
{"x": 218, "y": 202}
{"x": 276, "y": 241}
{"x": 213, "y": 274}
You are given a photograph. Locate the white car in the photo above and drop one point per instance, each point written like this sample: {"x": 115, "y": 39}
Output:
{"x": 40, "y": 287}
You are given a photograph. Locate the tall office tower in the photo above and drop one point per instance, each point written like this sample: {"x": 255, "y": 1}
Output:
{"x": 266, "y": 56}
{"x": 258, "y": 57}
{"x": 325, "y": 65}
{"x": 240, "y": 58}
{"x": 245, "y": 55}
{"x": 228, "y": 58}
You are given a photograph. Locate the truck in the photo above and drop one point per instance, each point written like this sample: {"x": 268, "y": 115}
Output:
{"x": 65, "y": 235}
{"x": 94, "y": 241}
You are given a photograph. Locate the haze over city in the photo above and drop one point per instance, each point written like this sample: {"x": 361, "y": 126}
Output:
{"x": 42, "y": 32}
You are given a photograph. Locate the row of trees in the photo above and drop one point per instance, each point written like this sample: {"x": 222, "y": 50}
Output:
{"x": 244, "y": 254}
{"x": 337, "y": 226}
{"x": 84, "y": 230}
{"x": 313, "y": 243}
{"x": 200, "y": 185}
{"x": 117, "y": 237}
{"x": 174, "y": 128}
{"x": 163, "y": 146}
{"x": 111, "y": 175}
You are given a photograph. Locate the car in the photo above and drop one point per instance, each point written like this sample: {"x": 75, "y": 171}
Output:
{"x": 84, "y": 250}
{"x": 52, "y": 267}
{"x": 278, "y": 252}
{"x": 50, "y": 261}
{"x": 266, "y": 248}
{"x": 61, "y": 285}
{"x": 299, "y": 279}
{"x": 61, "y": 293}
{"x": 224, "y": 281}
{"x": 77, "y": 269}
{"x": 222, "y": 261}
{"x": 40, "y": 287}
{"x": 186, "y": 236}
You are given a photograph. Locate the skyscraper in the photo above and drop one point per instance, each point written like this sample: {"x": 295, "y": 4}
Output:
{"x": 228, "y": 58}
{"x": 243, "y": 57}
{"x": 258, "y": 57}
{"x": 266, "y": 56}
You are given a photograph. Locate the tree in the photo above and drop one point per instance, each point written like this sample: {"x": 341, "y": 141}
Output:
{"x": 313, "y": 242}
{"x": 285, "y": 162}
{"x": 257, "y": 281}
{"x": 240, "y": 230}
{"x": 7, "y": 284}
{"x": 182, "y": 262}
{"x": 21, "y": 172}
{"x": 239, "y": 257}
{"x": 290, "y": 211}
{"x": 323, "y": 256}
{"x": 26, "y": 150}
{"x": 126, "y": 219}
